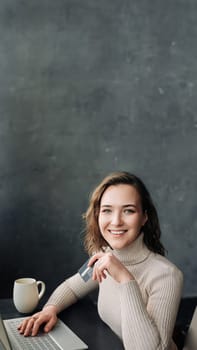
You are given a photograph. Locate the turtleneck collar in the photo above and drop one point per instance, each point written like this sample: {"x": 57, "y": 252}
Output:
{"x": 133, "y": 254}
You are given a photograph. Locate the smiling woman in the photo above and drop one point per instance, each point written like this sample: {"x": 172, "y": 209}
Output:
{"x": 121, "y": 216}
{"x": 94, "y": 240}
{"x": 139, "y": 289}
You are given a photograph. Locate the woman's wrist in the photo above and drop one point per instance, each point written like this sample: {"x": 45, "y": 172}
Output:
{"x": 51, "y": 307}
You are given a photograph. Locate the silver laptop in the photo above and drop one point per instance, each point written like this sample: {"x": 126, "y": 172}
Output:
{"x": 59, "y": 338}
{"x": 191, "y": 339}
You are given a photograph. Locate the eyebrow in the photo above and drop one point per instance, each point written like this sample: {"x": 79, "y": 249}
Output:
{"x": 124, "y": 206}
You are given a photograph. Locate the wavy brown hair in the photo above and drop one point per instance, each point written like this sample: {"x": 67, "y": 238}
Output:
{"x": 94, "y": 241}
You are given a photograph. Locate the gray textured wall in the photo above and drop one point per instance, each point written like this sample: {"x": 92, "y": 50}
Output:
{"x": 89, "y": 87}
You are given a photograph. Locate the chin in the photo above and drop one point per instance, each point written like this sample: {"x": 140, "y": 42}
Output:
{"x": 118, "y": 245}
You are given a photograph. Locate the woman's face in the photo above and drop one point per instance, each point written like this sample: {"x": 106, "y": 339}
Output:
{"x": 121, "y": 216}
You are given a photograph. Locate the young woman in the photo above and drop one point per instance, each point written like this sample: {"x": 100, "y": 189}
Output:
{"x": 139, "y": 289}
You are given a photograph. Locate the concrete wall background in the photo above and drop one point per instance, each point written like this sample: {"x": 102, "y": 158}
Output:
{"x": 89, "y": 87}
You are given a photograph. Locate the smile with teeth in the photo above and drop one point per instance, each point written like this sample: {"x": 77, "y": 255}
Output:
{"x": 117, "y": 232}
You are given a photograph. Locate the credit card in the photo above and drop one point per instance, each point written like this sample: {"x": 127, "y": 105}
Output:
{"x": 86, "y": 271}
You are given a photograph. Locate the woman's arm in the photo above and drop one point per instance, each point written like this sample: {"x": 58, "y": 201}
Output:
{"x": 63, "y": 296}
{"x": 150, "y": 327}
{"x": 68, "y": 292}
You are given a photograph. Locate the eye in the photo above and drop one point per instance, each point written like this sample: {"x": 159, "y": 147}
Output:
{"x": 129, "y": 211}
{"x": 106, "y": 210}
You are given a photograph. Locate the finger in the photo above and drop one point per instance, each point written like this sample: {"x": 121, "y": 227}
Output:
{"x": 94, "y": 258}
{"x": 104, "y": 274}
{"x": 92, "y": 261}
{"x": 28, "y": 329}
{"x": 50, "y": 324}
{"x": 97, "y": 275}
{"x": 99, "y": 270}
{"x": 22, "y": 326}
{"x": 101, "y": 275}
{"x": 36, "y": 325}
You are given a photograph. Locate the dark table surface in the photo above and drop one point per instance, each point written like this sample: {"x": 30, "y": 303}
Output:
{"x": 83, "y": 319}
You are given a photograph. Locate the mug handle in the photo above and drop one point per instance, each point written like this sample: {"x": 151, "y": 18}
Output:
{"x": 43, "y": 287}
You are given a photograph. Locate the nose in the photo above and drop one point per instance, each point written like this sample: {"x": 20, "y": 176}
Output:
{"x": 116, "y": 219}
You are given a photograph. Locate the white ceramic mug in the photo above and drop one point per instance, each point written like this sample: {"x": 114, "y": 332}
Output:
{"x": 26, "y": 294}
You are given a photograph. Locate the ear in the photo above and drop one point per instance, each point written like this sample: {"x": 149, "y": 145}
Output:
{"x": 145, "y": 217}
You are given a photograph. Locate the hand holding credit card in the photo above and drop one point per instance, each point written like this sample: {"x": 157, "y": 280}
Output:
{"x": 86, "y": 271}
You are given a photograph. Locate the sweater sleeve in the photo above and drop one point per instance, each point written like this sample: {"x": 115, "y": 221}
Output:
{"x": 69, "y": 291}
{"x": 150, "y": 327}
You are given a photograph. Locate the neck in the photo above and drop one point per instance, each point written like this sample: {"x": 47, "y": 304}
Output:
{"x": 134, "y": 253}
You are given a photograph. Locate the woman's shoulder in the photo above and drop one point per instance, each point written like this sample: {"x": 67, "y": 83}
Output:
{"x": 161, "y": 272}
{"x": 161, "y": 265}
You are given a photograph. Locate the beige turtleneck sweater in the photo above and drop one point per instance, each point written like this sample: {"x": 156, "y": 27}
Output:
{"x": 141, "y": 312}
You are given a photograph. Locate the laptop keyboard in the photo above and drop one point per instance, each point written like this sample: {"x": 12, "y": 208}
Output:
{"x": 40, "y": 342}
